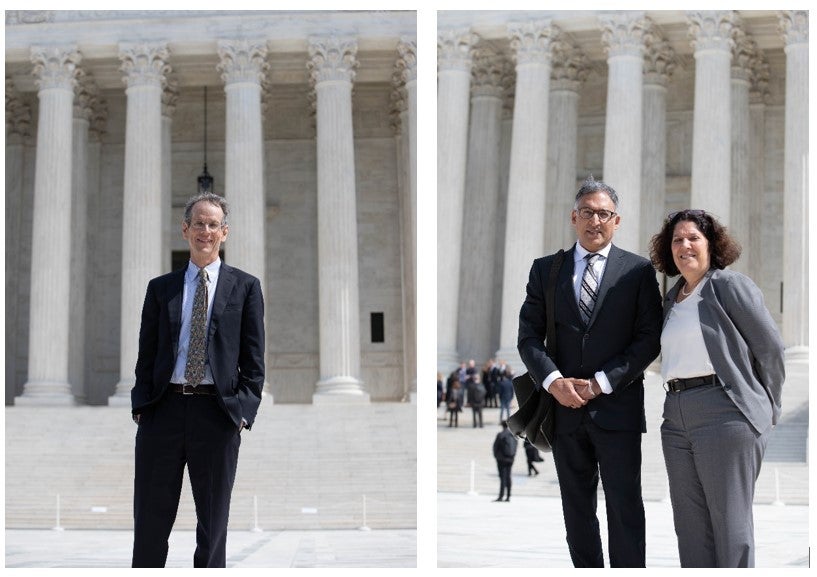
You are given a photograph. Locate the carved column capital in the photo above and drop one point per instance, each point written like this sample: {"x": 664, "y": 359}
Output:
{"x": 18, "y": 115}
{"x": 530, "y": 41}
{"x": 242, "y": 61}
{"x": 487, "y": 72}
{"x": 622, "y": 33}
{"x": 407, "y": 62}
{"x": 55, "y": 66}
{"x": 744, "y": 53}
{"x": 759, "y": 81}
{"x": 332, "y": 58}
{"x": 144, "y": 64}
{"x": 711, "y": 29}
{"x": 793, "y": 26}
{"x": 660, "y": 59}
{"x": 570, "y": 65}
{"x": 455, "y": 49}
{"x": 170, "y": 96}
{"x": 508, "y": 88}
{"x": 86, "y": 95}
{"x": 398, "y": 100}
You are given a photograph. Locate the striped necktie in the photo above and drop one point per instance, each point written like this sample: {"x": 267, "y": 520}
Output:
{"x": 194, "y": 370}
{"x": 589, "y": 289}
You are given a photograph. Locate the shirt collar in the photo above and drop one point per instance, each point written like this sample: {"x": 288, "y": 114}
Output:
{"x": 582, "y": 252}
{"x": 193, "y": 271}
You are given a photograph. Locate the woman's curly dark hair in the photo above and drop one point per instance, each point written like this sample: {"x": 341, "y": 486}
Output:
{"x": 723, "y": 249}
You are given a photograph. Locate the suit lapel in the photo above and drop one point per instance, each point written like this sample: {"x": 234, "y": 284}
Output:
{"x": 174, "y": 306}
{"x": 226, "y": 282}
{"x": 565, "y": 283}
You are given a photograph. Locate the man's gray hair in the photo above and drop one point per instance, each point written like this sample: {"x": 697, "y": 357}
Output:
{"x": 589, "y": 186}
{"x": 207, "y": 197}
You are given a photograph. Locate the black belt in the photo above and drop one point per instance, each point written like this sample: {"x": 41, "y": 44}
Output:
{"x": 191, "y": 390}
{"x": 678, "y": 385}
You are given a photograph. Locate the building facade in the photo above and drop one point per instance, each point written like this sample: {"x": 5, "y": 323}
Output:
{"x": 306, "y": 121}
{"x": 673, "y": 109}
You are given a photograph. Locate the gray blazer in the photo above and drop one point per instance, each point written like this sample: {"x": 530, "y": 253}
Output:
{"x": 743, "y": 343}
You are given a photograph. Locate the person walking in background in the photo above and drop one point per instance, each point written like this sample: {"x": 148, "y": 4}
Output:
{"x": 723, "y": 365}
{"x": 476, "y": 398}
{"x": 608, "y": 327}
{"x": 505, "y": 391}
{"x": 533, "y": 456}
{"x": 505, "y": 445}
{"x": 454, "y": 402}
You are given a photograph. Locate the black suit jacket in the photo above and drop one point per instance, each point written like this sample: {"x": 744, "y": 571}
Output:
{"x": 235, "y": 341}
{"x": 621, "y": 339}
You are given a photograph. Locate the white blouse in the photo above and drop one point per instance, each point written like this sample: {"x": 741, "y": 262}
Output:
{"x": 683, "y": 351}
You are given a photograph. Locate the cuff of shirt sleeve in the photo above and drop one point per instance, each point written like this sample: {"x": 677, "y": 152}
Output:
{"x": 550, "y": 378}
{"x": 605, "y": 385}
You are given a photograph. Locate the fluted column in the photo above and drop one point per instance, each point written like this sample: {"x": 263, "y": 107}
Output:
{"x": 659, "y": 63}
{"x": 711, "y": 33}
{"x": 169, "y": 229}
{"x": 481, "y": 195}
{"x": 758, "y": 96}
{"x": 622, "y": 36}
{"x": 794, "y": 25}
{"x": 18, "y": 131}
{"x": 453, "y": 81}
{"x": 570, "y": 69}
{"x": 242, "y": 68}
{"x": 332, "y": 68}
{"x": 744, "y": 52}
{"x": 84, "y": 100}
{"x": 145, "y": 68}
{"x": 406, "y": 84}
{"x": 55, "y": 71}
{"x": 524, "y": 232}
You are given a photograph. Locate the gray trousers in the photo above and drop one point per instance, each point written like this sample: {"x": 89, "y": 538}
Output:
{"x": 713, "y": 457}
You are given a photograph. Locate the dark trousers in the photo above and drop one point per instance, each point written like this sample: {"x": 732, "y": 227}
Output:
{"x": 504, "y": 479}
{"x": 178, "y": 430}
{"x": 579, "y": 457}
{"x": 477, "y": 415}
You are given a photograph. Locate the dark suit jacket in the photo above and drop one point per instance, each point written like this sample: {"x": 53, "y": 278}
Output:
{"x": 622, "y": 338}
{"x": 235, "y": 341}
{"x": 743, "y": 343}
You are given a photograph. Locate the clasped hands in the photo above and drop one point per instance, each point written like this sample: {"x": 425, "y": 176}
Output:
{"x": 574, "y": 393}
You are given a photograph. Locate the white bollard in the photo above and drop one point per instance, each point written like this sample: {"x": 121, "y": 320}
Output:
{"x": 256, "y": 528}
{"x": 777, "y": 502}
{"x": 364, "y": 527}
{"x": 472, "y": 491}
{"x": 58, "y": 527}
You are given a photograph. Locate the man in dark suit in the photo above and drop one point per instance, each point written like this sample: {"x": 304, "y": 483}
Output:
{"x": 608, "y": 326}
{"x": 199, "y": 376}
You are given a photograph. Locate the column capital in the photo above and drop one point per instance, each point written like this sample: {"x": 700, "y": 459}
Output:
{"x": 711, "y": 29}
{"x": 242, "y": 60}
{"x": 55, "y": 66}
{"x": 570, "y": 65}
{"x": 622, "y": 33}
{"x": 398, "y": 100}
{"x": 508, "y": 89}
{"x": 530, "y": 41}
{"x": 455, "y": 49}
{"x": 793, "y": 26}
{"x": 144, "y": 64}
{"x": 332, "y": 58}
{"x": 487, "y": 72}
{"x": 744, "y": 54}
{"x": 759, "y": 81}
{"x": 170, "y": 96}
{"x": 18, "y": 115}
{"x": 407, "y": 62}
{"x": 86, "y": 94}
{"x": 660, "y": 59}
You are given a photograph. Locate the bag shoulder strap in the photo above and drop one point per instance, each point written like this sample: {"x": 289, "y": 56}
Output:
{"x": 550, "y": 302}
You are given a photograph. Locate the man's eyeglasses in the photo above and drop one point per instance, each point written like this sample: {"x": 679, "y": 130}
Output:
{"x": 685, "y": 213}
{"x": 209, "y": 226}
{"x": 587, "y": 214}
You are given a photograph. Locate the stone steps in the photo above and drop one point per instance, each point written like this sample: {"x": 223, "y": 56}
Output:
{"x": 306, "y": 467}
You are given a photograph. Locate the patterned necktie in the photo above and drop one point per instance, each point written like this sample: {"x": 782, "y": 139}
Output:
{"x": 589, "y": 289}
{"x": 194, "y": 370}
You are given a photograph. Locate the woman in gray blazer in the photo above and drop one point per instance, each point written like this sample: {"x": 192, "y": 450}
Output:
{"x": 722, "y": 362}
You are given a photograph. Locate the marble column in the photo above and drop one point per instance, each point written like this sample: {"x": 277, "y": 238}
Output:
{"x": 481, "y": 195}
{"x": 622, "y": 37}
{"x": 570, "y": 69}
{"x": 145, "y": 68}
{"x": 454, "y": 49}
{"x": 55, "y": 71}
{"x": 332, "y": 69}
{"x": 84, "y": 99}
{"x": 711, "y": 33}
{"x": 659, "y": 63}
{"x": 758, "y": 96}
{"x": 242, "y": 66}
{"x": 170, "y": 229}
{"x": 743, "y": 54}
{"x": 406, "y": 83}
{"x": 18, "y": 132}
{"x": 794, "y": 25}
{"x": 524, "y": 222}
